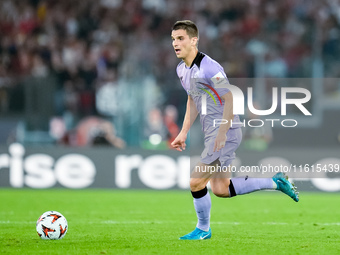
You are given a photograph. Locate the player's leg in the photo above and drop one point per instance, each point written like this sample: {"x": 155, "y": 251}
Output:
{"x": 220, "y": 186}
{"x": 198, "y": 186}
{"x": 223, "y": 186}
{"x": 200, "y": 177}
{"x": 226, "y": 187}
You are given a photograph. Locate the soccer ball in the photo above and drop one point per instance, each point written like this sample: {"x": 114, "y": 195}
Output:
{"x": 52, "y": 225}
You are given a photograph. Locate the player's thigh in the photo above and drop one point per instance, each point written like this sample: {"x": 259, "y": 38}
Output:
{"x": 201, "y": 174}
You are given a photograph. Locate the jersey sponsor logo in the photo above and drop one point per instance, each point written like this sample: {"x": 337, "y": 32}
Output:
{"x": 193, "y": 92}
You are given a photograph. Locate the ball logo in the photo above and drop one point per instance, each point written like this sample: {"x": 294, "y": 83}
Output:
{"x": 46, "y": 231}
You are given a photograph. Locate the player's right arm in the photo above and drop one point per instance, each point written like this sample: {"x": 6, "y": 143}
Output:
{"x": 189, "y": 118}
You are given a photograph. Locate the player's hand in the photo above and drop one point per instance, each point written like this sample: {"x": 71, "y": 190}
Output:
{"x": 220, "y": 141}
{"x": 179, "y": 142}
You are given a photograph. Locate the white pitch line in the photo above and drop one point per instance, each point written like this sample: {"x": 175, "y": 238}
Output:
{"x": 213, "y": 223}
{"x": 132, "y": 222}
{"x": 17, "y": 222}
{"x": 172, "y": 222}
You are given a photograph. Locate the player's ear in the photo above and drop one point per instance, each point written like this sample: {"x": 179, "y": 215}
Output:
{"x": 194, "y": 41}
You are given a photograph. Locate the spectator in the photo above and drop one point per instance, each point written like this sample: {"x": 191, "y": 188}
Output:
{"x": 82, "y": 41}
{"x": 92, "y": 131}
{"x": 170, "y": 119}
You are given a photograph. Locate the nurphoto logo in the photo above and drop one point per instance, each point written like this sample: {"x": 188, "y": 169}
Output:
{"x": 239, "y": 103}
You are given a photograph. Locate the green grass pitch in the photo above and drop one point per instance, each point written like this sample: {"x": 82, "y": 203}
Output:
{"x": 150, "y": 222}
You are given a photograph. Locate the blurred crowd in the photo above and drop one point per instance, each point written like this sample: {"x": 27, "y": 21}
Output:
{"x": 88, "y": 45}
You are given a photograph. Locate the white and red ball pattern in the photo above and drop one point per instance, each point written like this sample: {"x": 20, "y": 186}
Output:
{"x": 52, "y": 225}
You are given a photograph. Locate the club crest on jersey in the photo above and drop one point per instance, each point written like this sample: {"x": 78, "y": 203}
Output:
{"x": 218, "y": 78}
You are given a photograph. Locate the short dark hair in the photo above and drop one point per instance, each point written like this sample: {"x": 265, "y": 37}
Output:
{"x": 188, "y": 26}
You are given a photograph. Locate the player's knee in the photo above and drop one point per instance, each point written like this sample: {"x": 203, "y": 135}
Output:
{"x": 220, "y": 187}
{"x": 197, "y": 184}
{"x": 220, "y": 192}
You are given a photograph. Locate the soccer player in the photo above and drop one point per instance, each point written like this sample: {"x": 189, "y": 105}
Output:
{"x": 199, "y": 74}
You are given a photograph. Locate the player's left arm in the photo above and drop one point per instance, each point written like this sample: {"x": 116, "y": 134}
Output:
{"x": 221, "y": 137}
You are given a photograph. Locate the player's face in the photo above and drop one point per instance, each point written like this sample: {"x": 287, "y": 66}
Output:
{"x": 182, "y": 43}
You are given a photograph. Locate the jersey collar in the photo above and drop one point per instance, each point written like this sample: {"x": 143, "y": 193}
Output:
{"x": 198, "y": 59}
